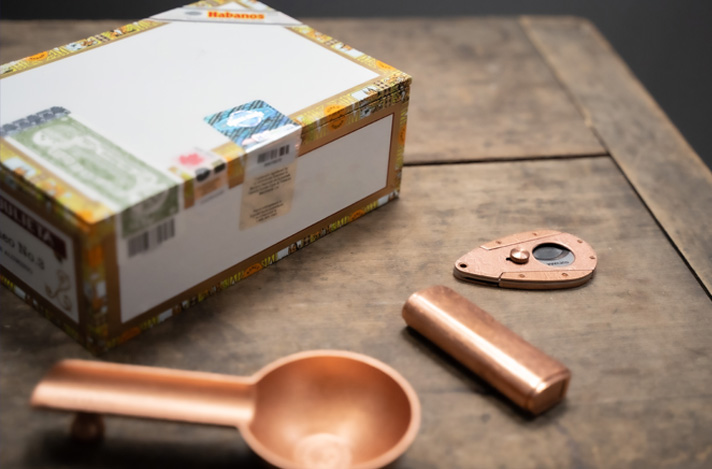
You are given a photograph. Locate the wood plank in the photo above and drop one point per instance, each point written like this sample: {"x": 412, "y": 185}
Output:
{"x": 667, "y": 173}
{"x": 481, "y": 90}
{"x": 636, "y": 337}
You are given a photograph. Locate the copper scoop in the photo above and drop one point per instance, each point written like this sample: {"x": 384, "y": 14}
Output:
{"x": 316, "y": 409}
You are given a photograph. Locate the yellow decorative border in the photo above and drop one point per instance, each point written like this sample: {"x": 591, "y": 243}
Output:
{"x": 92, "y": 42}
{"x": 46, "y": 312}
{"x": 392, "y": 86}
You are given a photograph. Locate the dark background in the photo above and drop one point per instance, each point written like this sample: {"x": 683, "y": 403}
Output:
{"x": 667, "y": 43}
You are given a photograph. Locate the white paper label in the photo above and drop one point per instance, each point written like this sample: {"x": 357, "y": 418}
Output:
{"x": 39, "y": 255}
{"x": 271, "y": 140}
{"x": 227, "y": 15}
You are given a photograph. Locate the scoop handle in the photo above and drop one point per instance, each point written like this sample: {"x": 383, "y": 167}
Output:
{"x": 148, "y": 392}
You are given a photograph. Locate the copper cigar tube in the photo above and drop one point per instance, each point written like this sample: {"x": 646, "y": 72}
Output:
{"x": 531, "y": 379}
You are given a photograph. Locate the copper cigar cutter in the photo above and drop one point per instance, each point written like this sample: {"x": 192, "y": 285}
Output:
{"x": 533, "y": 260}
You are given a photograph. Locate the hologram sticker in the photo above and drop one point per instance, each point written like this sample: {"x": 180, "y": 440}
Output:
{"x": 252, "y": 124}
{"x": 271, "y": 142}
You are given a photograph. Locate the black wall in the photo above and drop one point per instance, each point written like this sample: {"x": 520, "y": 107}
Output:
{"x": 667, "y": 43}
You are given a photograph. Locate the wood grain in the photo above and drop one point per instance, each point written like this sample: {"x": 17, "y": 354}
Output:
{"x": 636, "y": 337}
{"x": 481, "y": 89}
{"x": 667, "y": 173}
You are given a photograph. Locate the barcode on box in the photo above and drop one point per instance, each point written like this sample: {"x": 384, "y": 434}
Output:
{"x": 269, "y": 156}
{"x": 152, "y": 238}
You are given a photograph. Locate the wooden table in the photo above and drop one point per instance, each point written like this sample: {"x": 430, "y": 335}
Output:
{"x": 515, "y": 123}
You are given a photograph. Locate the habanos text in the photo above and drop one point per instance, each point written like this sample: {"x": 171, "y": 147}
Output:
{"x": 237, "y": 16}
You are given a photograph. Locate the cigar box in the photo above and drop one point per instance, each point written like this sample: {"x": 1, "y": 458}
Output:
{"x": 146, "y": 168}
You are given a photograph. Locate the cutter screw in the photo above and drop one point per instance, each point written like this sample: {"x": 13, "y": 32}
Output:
{"x": 519, "y": 255}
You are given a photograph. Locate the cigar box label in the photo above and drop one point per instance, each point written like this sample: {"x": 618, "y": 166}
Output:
{"x": 71, "y": 199}
{"x": 38, "y": 254}
{"x": 145, "y": 198}
{"x": 148, "y": 224}
{"x": 253, "y": 125}
{"x": 33, "y": 120}
{"x": 271, "y": 142}
{"x": 103, "y": 170}
{"x": 205, "y": 174}
{"x": 267, "y": 196}
{"x": 255, "y": 13}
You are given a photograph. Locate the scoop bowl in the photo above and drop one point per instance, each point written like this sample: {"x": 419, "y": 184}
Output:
{"x": 319, "y": 409}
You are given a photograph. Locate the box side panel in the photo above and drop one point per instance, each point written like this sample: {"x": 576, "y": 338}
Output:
{"x": 397, "y": 117}
{"x": 209, "y": 237}
{"x": 41, "y": 256}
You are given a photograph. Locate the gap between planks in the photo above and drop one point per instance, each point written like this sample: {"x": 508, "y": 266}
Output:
{"x": 663, "y": 170}
{"x": 513, "y": 159}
